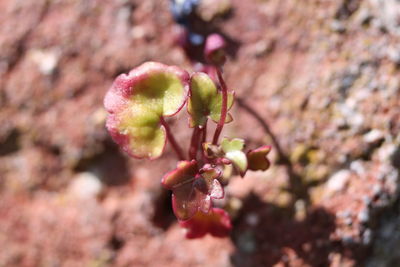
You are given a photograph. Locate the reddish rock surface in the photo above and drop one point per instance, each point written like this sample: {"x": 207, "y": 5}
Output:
{"x": 323, "y": 75}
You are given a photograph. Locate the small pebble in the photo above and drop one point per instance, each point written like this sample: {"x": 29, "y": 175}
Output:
{"x": 363, "y": 16}
{"x": 363, "y": 216}
{"x": 394, "y": 55}
{"x": 367, "y": 237}
{"x": 377, "y": 190}
{"x": 373, "y": 136}
{"x": 358, "y": 167}
{"x": 338, "y": 181}
{"x": 46, "y": 60}
{"x": 348, "y": 240}
{"x": 261, "y": 48}
{"x": 252, "y": 219}
{"x": 85, "y": 185}
{"x": 344, "y": 214}
{"x": 366, "y": 200}
{"x": 337, "y": 26}
{"x": 348, "y": 221}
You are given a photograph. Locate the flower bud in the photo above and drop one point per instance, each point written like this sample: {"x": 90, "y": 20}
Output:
{"x": 214, "y": 50}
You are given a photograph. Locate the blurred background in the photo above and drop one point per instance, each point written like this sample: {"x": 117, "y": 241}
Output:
{"x": 318, "y": 80}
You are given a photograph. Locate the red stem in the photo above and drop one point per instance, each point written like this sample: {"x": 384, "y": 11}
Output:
{"x": 203, "y": 140}
{"x": 224, "y": 106}
{"x": 172, "y": 140}
{"x": 194, "y": 143}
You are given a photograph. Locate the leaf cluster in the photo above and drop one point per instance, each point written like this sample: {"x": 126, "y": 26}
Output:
{"x": 138, "y": 104}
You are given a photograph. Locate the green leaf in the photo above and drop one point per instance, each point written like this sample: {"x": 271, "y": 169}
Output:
{"x": 136, "y": 102}
{"x": 233, "y": 151}
{"x": 205, "y": 100}
{"x": 216, "y": 105}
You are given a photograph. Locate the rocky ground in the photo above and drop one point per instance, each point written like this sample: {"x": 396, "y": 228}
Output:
{"x": 322, "y": 75}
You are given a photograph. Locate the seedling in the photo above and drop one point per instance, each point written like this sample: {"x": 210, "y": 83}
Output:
{"x": 138, "y": 105}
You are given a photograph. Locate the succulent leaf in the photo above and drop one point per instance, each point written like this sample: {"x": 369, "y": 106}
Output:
{"x": 216, "y": 106}
{"x": 192, "y": 191}
{"x": 216, "y": 222}
{"x": 137, "y": 101}
{"x": 205, "y": 100}
{"x": 210, "y": 177}
{"x": 184, "y": 173}
{"x": 257, "y": 158}
{"x": 233, "y": 151}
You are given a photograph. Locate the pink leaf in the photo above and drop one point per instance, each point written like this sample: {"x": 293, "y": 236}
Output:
{"x": 216, "y": 222}
{"x": 192, "y": 189}
{"x": 136, "y": 103}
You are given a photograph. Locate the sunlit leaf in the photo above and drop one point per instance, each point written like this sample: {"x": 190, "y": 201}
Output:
{"x": 205, "y": 100}
{"x": 137, "y": 101}
{"x": 233, "y": 151}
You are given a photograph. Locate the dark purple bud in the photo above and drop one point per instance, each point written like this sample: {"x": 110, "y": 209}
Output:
{"x": 182, "y": 9}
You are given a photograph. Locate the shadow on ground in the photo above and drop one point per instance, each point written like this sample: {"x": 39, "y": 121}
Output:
{"x": 265, "y": 234}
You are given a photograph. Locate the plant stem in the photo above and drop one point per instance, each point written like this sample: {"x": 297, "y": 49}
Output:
{"x": 204, "y": 136}
{"x": 224, "y": 106}
{"x": 281, "y": 154}
{"x": 194, "y": 143}
{"x": 172, "y": 140}
{"x": 296, "y": 186}
{"x": 203, "y": 140}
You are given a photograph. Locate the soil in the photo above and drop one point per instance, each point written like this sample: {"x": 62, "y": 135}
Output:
{"x": 318, "y": 80}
